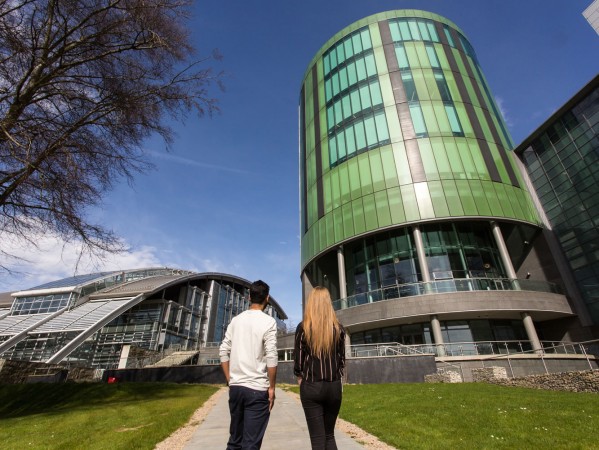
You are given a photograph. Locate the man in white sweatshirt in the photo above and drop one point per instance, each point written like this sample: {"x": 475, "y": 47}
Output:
{"x": 248, "y": 356}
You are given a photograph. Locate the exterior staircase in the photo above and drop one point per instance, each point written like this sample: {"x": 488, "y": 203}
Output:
{"x": 175, "y": 359}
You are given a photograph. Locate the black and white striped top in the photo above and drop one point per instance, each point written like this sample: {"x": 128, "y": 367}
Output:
{"x": 310, "y": 367}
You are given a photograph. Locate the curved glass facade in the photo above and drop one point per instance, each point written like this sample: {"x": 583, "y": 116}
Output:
{"x": 412, "y": 204}
{"x": 397, "y": 127}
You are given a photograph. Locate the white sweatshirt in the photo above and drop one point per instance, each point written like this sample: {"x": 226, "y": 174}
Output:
{"x": 250, "y": 346}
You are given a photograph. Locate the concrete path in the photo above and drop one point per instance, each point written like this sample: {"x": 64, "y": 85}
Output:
{"x": 286, "y": 428}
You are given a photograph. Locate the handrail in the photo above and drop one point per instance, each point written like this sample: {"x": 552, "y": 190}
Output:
{"x": 581, "y": 345}
{"x": 444, "y": 286}
{"x": 473, "y": 348}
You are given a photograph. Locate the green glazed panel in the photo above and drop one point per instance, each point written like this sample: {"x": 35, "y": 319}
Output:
{"x": 438, "y": 198}
{"x": 383, "y": 213}
{"x": 368, "y": 182}
{"x": 370, "y": 212}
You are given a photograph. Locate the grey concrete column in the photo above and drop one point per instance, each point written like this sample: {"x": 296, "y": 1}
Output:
{"x": 342, "y": 281}
{"x": 422, "y": 263}
{"x": 437, "y": 335}
{"x": 505, "y": 256}
{"x": 347, "y": 344}
{"x": 529, "y": 326}
{"x": 421, "y": 254}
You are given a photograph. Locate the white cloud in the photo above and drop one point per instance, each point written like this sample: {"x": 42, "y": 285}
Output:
{"x": 190, "y": 162}
{"x": 504, "y": 112}
{"x": 52, "y": 259}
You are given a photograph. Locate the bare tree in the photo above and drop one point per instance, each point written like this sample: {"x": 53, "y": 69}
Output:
{"x": 82, "y": 84}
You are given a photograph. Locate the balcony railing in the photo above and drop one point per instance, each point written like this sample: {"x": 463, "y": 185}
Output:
{"x": 480, "y": 348}
{"x": 443, "y": 286}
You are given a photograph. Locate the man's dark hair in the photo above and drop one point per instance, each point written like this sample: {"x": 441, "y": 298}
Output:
{"x": 259, "y": 291}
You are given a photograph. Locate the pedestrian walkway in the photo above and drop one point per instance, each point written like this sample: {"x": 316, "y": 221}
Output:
{"x": 286, "y": 429}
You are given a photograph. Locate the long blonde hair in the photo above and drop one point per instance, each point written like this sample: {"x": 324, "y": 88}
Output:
{"x": 321, "y": 326}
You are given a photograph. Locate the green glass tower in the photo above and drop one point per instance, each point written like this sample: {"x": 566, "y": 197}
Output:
{"x": 408, "y": 189}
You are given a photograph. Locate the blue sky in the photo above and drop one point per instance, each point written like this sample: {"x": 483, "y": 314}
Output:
{"x": 226, "y": 197}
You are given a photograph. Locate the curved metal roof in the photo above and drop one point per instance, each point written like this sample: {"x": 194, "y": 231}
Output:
{"x": 153, "y": 284}
{"x": 75, "y": 280}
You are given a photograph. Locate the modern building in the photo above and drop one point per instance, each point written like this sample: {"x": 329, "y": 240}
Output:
{"x": 591, "y": 14}
{"x": 86, "y": 320}
{"x": 562, "y": 161}
{"x": 414, "y": 212}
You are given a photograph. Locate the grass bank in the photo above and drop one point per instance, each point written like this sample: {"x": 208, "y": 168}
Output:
{"x": 95, "y": 416}
{"x": 473, "y": 416}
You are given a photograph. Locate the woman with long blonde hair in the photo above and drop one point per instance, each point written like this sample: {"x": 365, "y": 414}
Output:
{"x": 319, "y": 362}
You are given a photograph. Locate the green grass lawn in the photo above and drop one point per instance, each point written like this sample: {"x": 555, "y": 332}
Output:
{"x": 407, "y": 416}
{"x": 95, "y": 416}
{"x": 472, "y": 416}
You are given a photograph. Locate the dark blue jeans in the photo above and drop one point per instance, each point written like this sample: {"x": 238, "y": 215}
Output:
{"x": 321, "y": 401}
{"x": 249, "y": 417}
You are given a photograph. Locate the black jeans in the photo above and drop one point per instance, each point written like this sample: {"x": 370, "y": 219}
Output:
{"x": 249, "y": 417}
{"x": 321, "y": 401}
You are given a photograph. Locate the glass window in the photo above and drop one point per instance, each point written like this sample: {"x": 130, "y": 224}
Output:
{"x": 345, "y": 101}
{"x": 341, "y": 148}
{"x": 418, "y": 120}
{"x": 352, "y": 76}
{"x": 357, "y": 43}
{"x": 350, "y": 141}
{"x": 328, "y": 89}
{"x": 370, "y": 127}
{"x": 349, "y": 50}
{"x": 330, "y": 117}
{"x": 409, "y": 86}
{"x": 360, "y": 135}
{"x": 335, "y": 82}
{"x": 333, "y": 149}
{"x": 414, "y": 29}
{"x": 394, "y": 28}
{"x": 402, "y": 57}
{"x": 333, "y": 56}
{"x": 340, "y": 52}
{"x": 423, "y": 31}
{"x": 343, "y": 83}
{"x": 432, "y": 31}
{"x": 370, "y": 65}
{"x": 405, "y": 30}
{"x": 361, "y": 69}
{"x": 365, "y": 97}
{"x": 432, "y": 56}
{"x": 442, "y": 85}
{"x": 375, "y": 93}
{"x": 338, "y": 113}
{"x": 454, "y": 122}
{"x": 327, "y": 64}
{"x": 448, "y": 35}
{"x": 365, "y": 34}
{"x": 356, "y": 105}
{"x": 381, "y": 126}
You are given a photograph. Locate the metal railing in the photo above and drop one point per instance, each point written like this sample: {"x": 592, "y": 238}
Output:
{"x": 444, "y": 286}
{"x": 587, "y": 349}
{"x": 480, "y": 348}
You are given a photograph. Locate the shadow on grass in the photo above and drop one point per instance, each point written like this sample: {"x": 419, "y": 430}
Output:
{"x": 27, "y": 399}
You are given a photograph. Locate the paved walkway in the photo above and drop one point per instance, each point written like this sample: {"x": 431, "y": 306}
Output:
{"x": 286, "y": 429}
